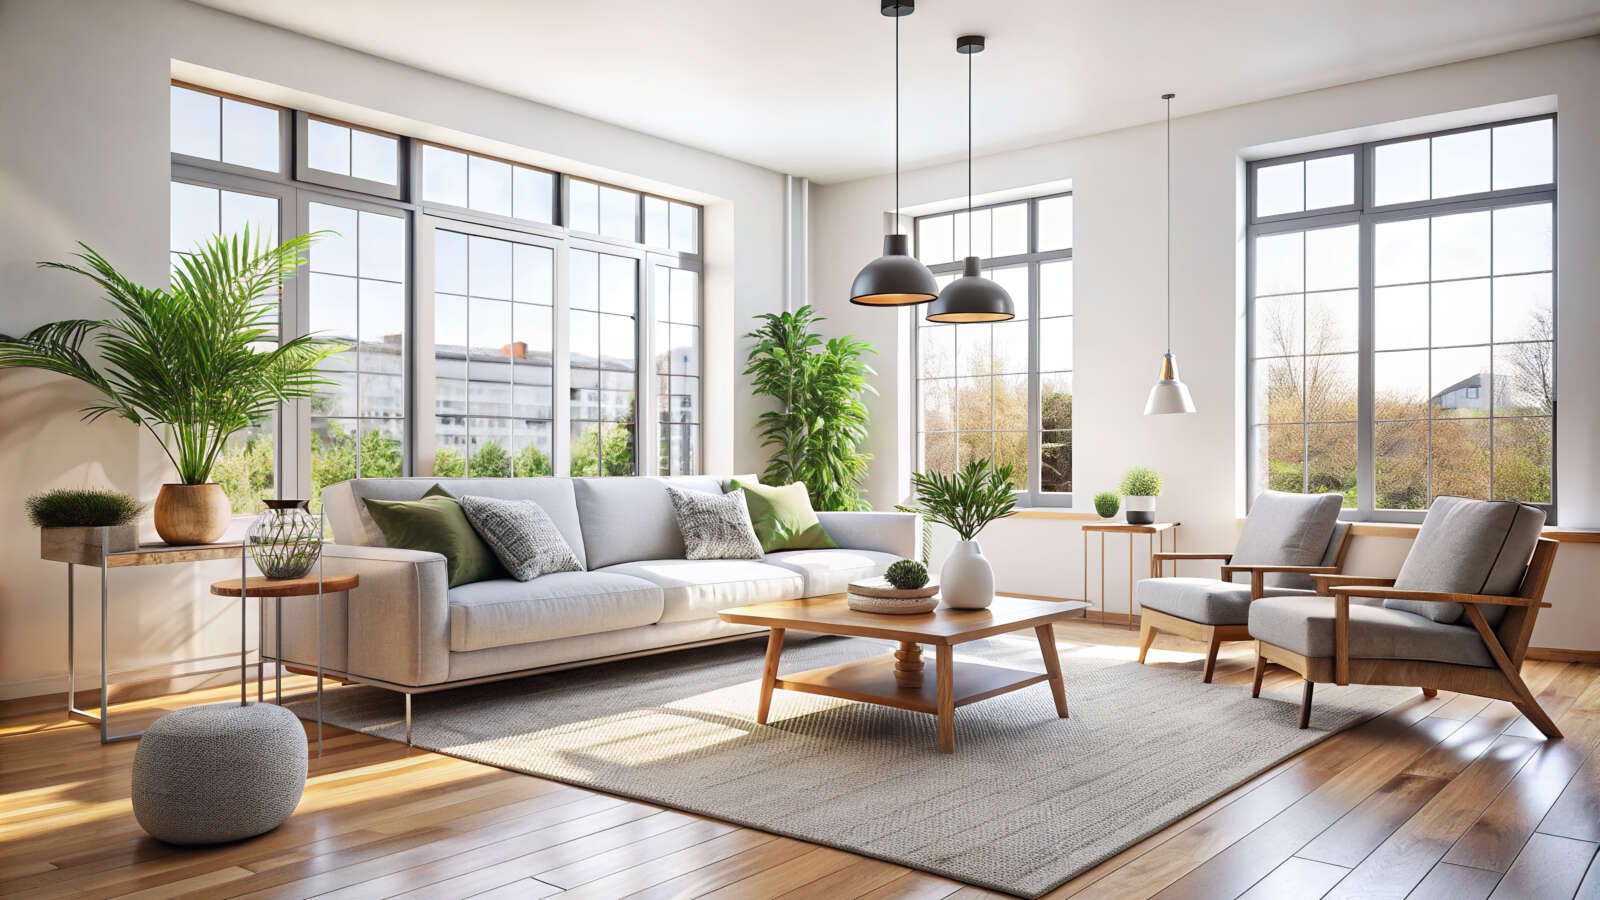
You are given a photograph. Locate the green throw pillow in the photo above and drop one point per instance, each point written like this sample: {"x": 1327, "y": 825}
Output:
{"x": 436, "y": 524}
{"x": 783, "y": 517}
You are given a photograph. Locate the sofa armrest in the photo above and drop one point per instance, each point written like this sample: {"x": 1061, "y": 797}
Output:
{"x": 887, "y": 532}
{"x": 398, "y": 617}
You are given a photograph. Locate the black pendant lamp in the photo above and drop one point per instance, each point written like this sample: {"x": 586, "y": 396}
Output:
{"x": 1169, "y": 395}
{"x": 971, "y": 298}
{"x": 896, "y": 278}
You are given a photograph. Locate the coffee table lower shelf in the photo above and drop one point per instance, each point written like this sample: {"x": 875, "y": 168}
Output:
{"x": 873, "y": 680}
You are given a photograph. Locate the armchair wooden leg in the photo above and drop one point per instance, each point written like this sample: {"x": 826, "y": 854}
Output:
{"x": 1211, "y": 655}
{"x": 1539, "y": 718}
{"x": 1430, "y": 692}
{"x": 1305, "y": 705}
{"x": 1147, "y": 636}
{"x": 1261, "y": 671}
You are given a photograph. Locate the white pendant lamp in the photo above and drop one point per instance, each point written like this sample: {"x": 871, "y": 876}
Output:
{"x": 1169, "y": 395}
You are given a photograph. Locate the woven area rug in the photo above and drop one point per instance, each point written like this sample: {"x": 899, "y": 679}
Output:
{"x": 1027, "y": 801}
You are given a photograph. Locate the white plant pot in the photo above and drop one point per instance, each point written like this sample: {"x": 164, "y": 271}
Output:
{"x": 1139, "y": 510}
{"x": 967, "y": 580}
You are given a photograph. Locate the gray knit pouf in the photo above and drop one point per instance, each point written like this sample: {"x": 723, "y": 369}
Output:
{"x": 219, "y": 772}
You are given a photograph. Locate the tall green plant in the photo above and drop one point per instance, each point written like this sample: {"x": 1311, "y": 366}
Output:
{"x": 200, "y": 358}
{"x": 965, "y": 501}
{"x": 820, "y": 425}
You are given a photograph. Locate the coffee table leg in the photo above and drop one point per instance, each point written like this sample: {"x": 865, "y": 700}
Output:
{"x": 947, "y": 698}
{"x": 1052, "y": 666}
{"x": 908, "y": 664}
{"x": 769, "y": 673}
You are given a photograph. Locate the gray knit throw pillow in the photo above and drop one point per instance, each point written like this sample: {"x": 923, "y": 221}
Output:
{"x": 522, "y": 535}
{"x": 715, "y": 526}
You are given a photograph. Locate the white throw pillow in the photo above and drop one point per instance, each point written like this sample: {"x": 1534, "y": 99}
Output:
{"x": 522, "y": 535}
{"x": 715, "y": 526}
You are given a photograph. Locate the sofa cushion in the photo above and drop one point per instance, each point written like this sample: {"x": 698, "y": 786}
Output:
{"x": 697, "y": 588}
{"x": 437, "y": 524}
{"x": 1304, "y": 625}
{"x": 563, "y": 604}
{"x": 714, "y": 526}
{"x": 1287, "y": 530}
{"x": 1468, "y": 547}
{"x": 783, "y": 517}
{"x": 1208, "y": 601}
{"x": 831, "y": 571}
{"x": 521, "y": 535}
{"x": 630, "y": 519}
{"x": 352, "y": 523}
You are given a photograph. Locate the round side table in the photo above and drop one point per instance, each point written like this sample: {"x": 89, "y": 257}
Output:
{"x": 277, "y": 588}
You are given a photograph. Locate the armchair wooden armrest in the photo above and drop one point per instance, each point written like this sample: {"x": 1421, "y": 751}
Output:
{"x": 1392, "y": 593}
{"x": 1324, "y": 582}
{"x": 1258, "y": 574}
{"x": 1163, "y": 555}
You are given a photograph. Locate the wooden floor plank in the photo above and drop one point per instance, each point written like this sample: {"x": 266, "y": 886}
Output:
{"x": 856, "y": 879}
{"x": 1496, "y": 838}
{"x": 1447, "y": 881}
{"x": 1295, "y": 879}
{"x": 1548, "y": 866}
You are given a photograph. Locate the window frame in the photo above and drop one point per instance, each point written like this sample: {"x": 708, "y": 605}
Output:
{"x": 1366, "y": 214}
{"x": 295, "y": 186}
{"x": 1031, "y": 496}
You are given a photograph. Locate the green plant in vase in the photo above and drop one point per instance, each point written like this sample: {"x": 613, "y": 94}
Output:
{"x": 1106, "y": 503}
{"x": 1141, "y": 486}
{"x": 966, "y": 502}
{"x": 193, "y": 363}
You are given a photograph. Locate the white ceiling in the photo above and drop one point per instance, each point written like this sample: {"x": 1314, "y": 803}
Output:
{"x": 807, "y": 87}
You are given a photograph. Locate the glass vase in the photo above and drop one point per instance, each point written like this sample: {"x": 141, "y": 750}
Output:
{"x": 286, "y": 539}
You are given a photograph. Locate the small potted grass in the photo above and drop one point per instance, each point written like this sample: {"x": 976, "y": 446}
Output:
{"x": 79, "y": 526}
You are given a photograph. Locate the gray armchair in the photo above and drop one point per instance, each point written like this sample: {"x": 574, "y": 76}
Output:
{"x": 1286, "y": 539}
{"x": 1458, "y": 616}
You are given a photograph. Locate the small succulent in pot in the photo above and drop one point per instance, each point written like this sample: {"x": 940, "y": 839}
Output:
{"x": 1106, "y": 503}
{"x": 906, "y": 575}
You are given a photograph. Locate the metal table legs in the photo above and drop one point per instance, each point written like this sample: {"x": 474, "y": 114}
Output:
{"x": 103, "y": 718}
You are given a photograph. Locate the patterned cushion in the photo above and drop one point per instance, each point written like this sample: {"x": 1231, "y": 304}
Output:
{"x": 522, "y": 535}
{"x": 714, "y": 526}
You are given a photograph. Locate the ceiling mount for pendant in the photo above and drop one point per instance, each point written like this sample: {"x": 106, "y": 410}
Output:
{"x": 971, "y": 298}
{"x": 896, "y": 278}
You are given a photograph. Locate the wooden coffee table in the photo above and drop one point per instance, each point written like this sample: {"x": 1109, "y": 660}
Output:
{"x": 897, "y": 680}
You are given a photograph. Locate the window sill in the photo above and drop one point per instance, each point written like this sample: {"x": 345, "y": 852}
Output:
{"x": 1049, "y": 512}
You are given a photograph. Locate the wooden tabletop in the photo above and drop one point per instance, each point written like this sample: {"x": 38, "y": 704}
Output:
{"x": 1125, "y": 528}
{"x": 285, "y": 587}
{"x": 831, "y": 615}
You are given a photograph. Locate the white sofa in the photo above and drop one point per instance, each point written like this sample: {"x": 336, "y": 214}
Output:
{"x": 404, "y": 629}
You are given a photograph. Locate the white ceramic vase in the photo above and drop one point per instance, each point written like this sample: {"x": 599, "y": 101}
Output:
{"x": 1139, "y": 510}
{"x": 966, "y": 581}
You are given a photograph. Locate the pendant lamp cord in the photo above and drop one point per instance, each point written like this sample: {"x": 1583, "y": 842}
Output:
{"x": 969, "y": 155}
{"x": 897, "y": 124}
{"x": 1169, "y": 224}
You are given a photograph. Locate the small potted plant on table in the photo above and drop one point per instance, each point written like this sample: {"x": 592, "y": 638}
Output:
{"x": 1141, "y": 486}
{"x": 82, "y": 525}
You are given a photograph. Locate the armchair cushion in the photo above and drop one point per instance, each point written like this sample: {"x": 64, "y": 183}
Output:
{"x": 1304, "y": 625}
{"x": 1289, "y": 530}
{"x": 1204, "y": 600}
{"x": 1468, "y": 547}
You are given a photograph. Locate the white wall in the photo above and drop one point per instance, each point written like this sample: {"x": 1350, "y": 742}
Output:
{"x": 84, "y": 100}
{"x": 1117, "y": 179}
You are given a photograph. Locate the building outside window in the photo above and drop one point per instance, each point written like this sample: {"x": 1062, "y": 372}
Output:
{"x": 482, "y": 251}
{"x": 1401, "y": 324}
{"x": 1001, "y": 391}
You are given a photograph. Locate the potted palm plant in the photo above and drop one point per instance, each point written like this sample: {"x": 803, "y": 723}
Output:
{"x": 200, "y": 360}
{"x": 966, "y": 501}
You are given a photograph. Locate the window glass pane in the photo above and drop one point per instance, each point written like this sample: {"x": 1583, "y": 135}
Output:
{"x": 1400, "y": 251}
{"x": 1461, "y": 382}
{"x": 1461, "y": 245}
{"x": 1401, "y": 172}
{"x": 1055, "y": 400}
{"x": 1055, "y": 344}
{"x": 974, "y": 355}
{"x": 1055, "y": 461}
{"x": 685, "y": 225}
{"x": 1331, "y": 258}
{"x": 444, "y": 176}
{"x": 1400, "y": 385}
{"x": 1332, "y": 322}
{"x": 1400, "y": 451}
{"x": 375, "y": 157}
{"x": 938, "y": 452}
{"x": 618, "y": 284}
{"x": 1461, "y": 163}
{"x": 1055, "y": 288}
{"x": 619, "y": 213}
{"x": 1055, "y": 223}
{"x": 972, "y": 240}
{"x": 1523, "y": 309}
{"x": 450, "y": 262}
{"x": 533, "y": 195}
{"x": 196, "y": 123}
{"x": 1400, "y": 317}
{"x": 1330, "y": 181}
{"x": 1523, "y": 462}
{"x": 685, "y": 296}
{"x": 1279, "y": 393}
{"x": 1279, "y": 325}
{"x": 1458, "y": 459}
{"x": 936, "y": 351}
{"x": 328, "y": 147}
{"x": 1280, "y": 264}
{"x": 935, "y": 242}
{"x": 583, "y": 206}
{"x": 335, "y": 250}
{"x": 1522, "y": 239}
{"x": 1461, "y": 312}
{"x": 1010, "y": 230}
{"x": 489, "y": 186}
{"x": 1280, "y": 189}
{"x": 1524, "y": 154}
{"x": 534, "y": 275}
{"x": 383, "y": 245}
{"x": 250, "y": 135}
{"x": 1331, "y": 460}
{"x": 1331, "y": 388}
{"x": 196, "y": 215}
{"x": 655, "y": 222}
{"x": 1280, "y": 458}
{"x": 489, "y": 268}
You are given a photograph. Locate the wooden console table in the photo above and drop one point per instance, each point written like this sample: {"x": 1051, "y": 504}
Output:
{"x": 1157, "y": 532}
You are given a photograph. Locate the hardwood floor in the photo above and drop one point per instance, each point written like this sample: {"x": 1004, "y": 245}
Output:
{"x": 1451, "y": 797}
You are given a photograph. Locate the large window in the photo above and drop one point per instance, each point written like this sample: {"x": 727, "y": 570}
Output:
{"x": 1001, "y": 391}
{"x": 1402, "y": 326}
{"x": 463, "y": 300}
